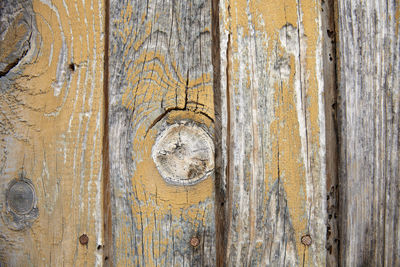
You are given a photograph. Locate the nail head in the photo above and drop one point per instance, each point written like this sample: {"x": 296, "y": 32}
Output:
{"x": 306, "y": 240}
{"x": 194, "y": 241}
{"x": 84, "y": 239}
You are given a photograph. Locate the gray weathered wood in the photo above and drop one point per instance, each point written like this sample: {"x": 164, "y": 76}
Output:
{"x": 160, "y": 74}
{"x": 369, "y": 97}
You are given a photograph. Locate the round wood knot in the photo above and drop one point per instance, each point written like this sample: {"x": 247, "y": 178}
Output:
{"x": 184, "y": 153}
{"x": 21, "y": 204}
{"x": 306, "y": 240}
{"x": 21, "y": 197}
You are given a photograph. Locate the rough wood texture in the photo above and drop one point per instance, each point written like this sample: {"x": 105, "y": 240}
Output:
{"x": 329, "y": 20}
{"x": 369, "y": 96}
{"x": 160, "y": 74}
{"x": 51, "y": 81}
{"x": 273, "y": 132}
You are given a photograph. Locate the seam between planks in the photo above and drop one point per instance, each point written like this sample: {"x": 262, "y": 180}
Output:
{"x": 108, "y": 241}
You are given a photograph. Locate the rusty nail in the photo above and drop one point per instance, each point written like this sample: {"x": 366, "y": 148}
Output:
{"x": 84, "y": 239}
{"x": 194, "y": 241}
{"x": 306, "y": 240}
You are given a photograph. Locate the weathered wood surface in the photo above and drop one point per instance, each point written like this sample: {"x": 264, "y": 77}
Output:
{"x": 160, "y": 81}
{"x": 369, "y": 96}
{"x": 51, "y": 109}
{"x": 273, "y": 132}
{"x": 328, "y": 17}
{"x": 256, "y": 86}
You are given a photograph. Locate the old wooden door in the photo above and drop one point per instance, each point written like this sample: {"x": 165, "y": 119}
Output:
{"x": 199, "y": 133}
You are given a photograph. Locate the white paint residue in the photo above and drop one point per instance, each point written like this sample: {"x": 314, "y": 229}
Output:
{"x": 51, "y": 54}
{"x": 62, "y": 58}
{"x": 50, "y": 187}
{"x": 320, "y": 220}
{"x": 66, "y": 8}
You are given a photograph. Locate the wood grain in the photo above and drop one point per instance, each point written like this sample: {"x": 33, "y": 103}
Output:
{"x": 51, "y": 109}
{"x": 273, "y": 132}
{"x": 329, "y": 21}
{"x": 369, "y": 98}
{"x": 160, "y": 74}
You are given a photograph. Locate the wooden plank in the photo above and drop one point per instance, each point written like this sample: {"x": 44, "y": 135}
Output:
{"x": 369, "y": 96}
{"x": 273, "y": 132}
{"x": 51, "y": 129}
{"x": 161, "y": 127}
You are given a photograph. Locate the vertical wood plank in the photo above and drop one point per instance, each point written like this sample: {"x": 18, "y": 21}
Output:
{"x": 273, "y": 132}
{"x": 369, "y": 96}
{"x": 51, "y": 129}
{"x": 160, "y": 110}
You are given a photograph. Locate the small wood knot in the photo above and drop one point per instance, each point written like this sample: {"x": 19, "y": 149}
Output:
{"x": 21, "y": 204}
{"x": 184, "y": 153}
{"x": 194, "y": 241}
{"x": 84, "y": 239}
{"x": 21, "y": 197}
{"x": 306, "y": 240}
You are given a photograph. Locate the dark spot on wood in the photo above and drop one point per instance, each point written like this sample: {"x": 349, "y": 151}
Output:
{"x": 84, "y": 239}
{"x": 98, "y": 247}
{"x": 330, "y": 33}
{"x": 72, "y": 66}
{"x": 197, "y": 169}
{"x": 329, "y": 248}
